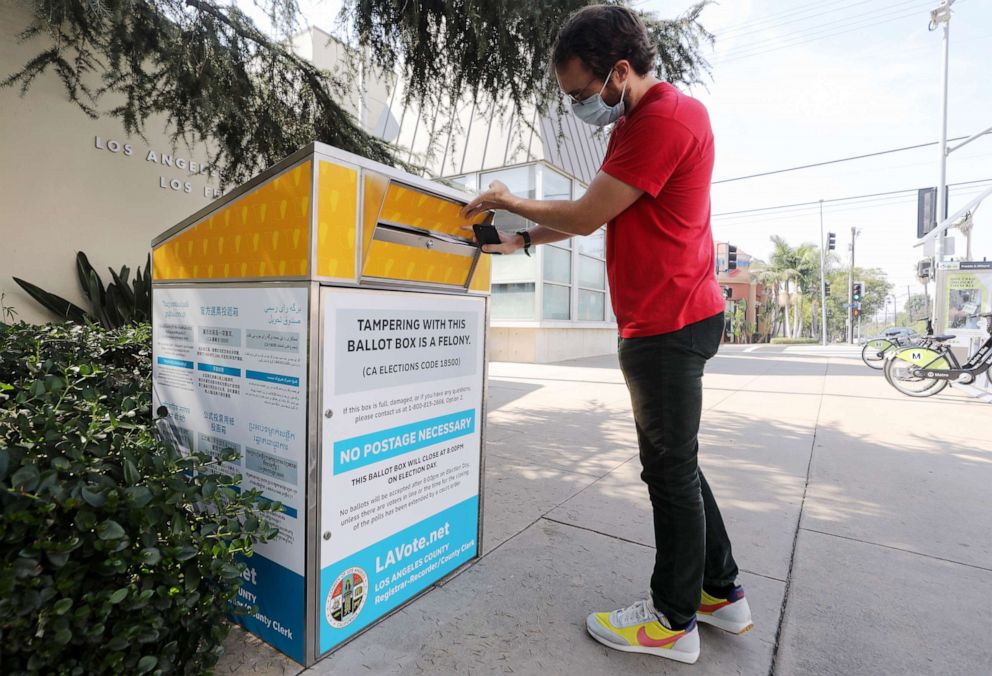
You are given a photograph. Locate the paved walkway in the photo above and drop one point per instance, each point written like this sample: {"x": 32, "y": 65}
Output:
{"x": 860, "y": 518}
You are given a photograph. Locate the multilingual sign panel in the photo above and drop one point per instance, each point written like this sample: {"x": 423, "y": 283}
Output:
{"x": 230, "y": 365}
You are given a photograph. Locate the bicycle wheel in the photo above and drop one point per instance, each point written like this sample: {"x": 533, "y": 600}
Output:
{"x": 898, "y": 372}
{"x": 873, "y": 353}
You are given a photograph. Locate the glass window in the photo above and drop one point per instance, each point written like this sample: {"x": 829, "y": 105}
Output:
{"x": 592, "y": 305}
{"x": 556, "y": 186}
{"x": 468, "y": 181}
{"x": 557, "y": 265}
{"x": 508, "y": 222}
{"x": 513, "y": 301}
{"x": 516, "y": 267}
{"x": 592, "y": 273}
{"x": 556, "y": 301}
{"x": 520, "y": 180}
{"x": 594, "y": 244}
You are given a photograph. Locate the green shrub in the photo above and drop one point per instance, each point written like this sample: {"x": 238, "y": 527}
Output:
{"x": 795, "y": 341}
{"x": 112, "y": 560}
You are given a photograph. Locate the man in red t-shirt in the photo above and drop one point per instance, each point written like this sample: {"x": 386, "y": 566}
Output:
{"x": 653, "y": 192}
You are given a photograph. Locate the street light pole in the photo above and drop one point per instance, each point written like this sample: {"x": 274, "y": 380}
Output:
{"x": 942, "y": 16}
{"x": 850, "y": 290}
{"x": 823, "y": 284}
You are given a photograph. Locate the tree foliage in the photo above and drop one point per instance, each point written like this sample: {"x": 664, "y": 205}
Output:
{"x": 876, "y": 291}
{"x": 795, "y": 272}
{"x": 498, "y": 52}
{"x": 218, "y": 80}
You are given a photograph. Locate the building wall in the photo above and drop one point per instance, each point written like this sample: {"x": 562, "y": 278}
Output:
{"x": 63, "y": 188}
{"x": 543, "y": 344}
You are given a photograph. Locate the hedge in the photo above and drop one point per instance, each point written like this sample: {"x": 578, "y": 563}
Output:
{"x": 117, "y": 553}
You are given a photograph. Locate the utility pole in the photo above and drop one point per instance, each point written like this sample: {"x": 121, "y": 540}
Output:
{"x": 850, "y": 290}
{"x": 938, "y": 17}
{"x": 823, "y": 283}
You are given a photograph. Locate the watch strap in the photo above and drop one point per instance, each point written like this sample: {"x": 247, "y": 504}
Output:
{"x": 527, "y": 242}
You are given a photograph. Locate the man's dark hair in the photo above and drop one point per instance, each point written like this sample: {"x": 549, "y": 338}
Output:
{"x": 601, "y": 35}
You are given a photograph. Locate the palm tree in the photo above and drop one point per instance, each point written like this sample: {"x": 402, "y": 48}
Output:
{"x": 807, "y": 263}
{"x": 799, "y": 268}
{"x": 766, "y": 314}
{"x": 783, "y": 267}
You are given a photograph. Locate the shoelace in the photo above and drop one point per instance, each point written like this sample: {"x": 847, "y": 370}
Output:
{"x": 636, "y": 613}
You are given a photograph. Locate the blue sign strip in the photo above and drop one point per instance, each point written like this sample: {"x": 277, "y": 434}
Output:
{"x": 364, "y": 450}
{"x": 273, "y": 596}
{"x": 273, "y": 378}
{"x": 180, "y": 363}
{"x": 358, "y": 590}
{"x": 223, "y": 370}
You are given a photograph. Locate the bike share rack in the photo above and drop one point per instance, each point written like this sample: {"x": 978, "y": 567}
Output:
{"x": 963, "y": 275}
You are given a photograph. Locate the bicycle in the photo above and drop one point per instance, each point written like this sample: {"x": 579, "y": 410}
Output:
{"x": 875, "y": 351}
{"x": 925, "y": 370}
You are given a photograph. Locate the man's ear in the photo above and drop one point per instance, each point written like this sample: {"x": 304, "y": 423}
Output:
{"x": 623, "y": 70}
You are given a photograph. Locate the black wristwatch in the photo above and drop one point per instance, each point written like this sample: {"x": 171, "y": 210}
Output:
{"x": 526, "y": 236}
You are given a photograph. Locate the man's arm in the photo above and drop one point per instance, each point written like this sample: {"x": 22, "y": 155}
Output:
{"x": 557, "y": 219}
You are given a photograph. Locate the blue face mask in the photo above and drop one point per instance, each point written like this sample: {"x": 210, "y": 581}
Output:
{"x": 594, "y": 110}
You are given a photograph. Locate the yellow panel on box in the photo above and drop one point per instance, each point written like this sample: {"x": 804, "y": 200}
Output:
{"x": 409, "y": 206}
{"x": 481, "y": 278}
{"x": 397, "y": 261}
{"x": 337, "y": 224}
{"x": 264, "y": 233}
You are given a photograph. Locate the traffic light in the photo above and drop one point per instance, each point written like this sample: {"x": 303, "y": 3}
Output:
{"x": 728, "y": 292}
{"x": 831, "y": 241}
{"x": 826, "y": 288}
{"x": 731, "y": 257}
{"x": 857, "y": 291}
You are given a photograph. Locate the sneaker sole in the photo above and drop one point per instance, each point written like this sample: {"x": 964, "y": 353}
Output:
{"x": 672, "y": 654}
{"x": 732, "y": 628}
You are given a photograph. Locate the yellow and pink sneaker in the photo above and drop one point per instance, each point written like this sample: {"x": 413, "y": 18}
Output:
{"x": 731, "y": 614}
{"x": 639, "y": 628}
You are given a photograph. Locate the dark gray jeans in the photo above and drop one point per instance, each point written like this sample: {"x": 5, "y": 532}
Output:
{"x": 664, "y": 374}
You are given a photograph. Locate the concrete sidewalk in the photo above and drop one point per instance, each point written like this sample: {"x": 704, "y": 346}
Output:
{"x": 860, "y": 519}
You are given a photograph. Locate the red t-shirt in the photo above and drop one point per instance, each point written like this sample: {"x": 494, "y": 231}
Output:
{"x": 659, "y": 251}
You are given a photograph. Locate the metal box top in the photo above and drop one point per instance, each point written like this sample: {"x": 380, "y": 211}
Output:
{"x": 326, "y": 215}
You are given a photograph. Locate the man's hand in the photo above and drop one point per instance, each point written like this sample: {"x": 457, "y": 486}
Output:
{"x": 509, "y": 242}
{"x": 497, "y": 197}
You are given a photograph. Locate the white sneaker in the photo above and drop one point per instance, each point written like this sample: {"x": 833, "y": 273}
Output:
{"x": 640, "y": 628}
{"x": 731, "y": 614}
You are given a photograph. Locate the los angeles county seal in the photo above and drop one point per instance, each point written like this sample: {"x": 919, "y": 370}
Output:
{"x": 346, "y": 598}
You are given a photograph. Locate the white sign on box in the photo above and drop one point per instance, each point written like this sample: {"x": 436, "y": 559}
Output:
{"x": 402, "y": 384}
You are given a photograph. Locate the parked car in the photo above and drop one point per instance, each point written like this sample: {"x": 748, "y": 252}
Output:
{"x": 898, "y": 332}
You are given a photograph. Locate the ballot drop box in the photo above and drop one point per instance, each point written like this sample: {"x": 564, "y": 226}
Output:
{"x": 327, "y": 321}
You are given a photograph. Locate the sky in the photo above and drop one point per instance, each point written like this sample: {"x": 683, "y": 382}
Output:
{"x": 803, "y": 81}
